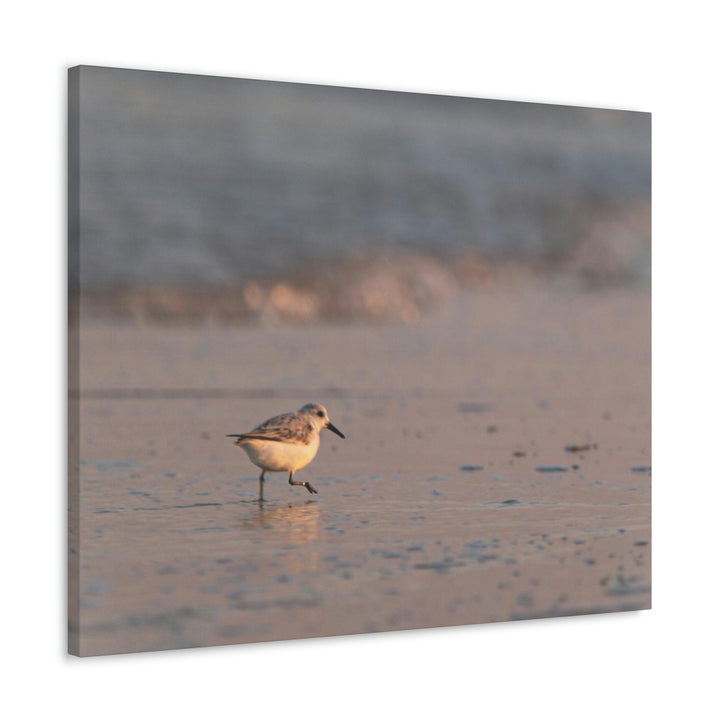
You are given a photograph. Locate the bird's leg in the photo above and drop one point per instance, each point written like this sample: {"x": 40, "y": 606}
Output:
{"x": 306, "y": 485}
{"x": 262, "y": 483}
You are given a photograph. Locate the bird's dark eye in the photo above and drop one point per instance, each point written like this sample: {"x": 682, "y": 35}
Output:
{"x": 320, "y": 413}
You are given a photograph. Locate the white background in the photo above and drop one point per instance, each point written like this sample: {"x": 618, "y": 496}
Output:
{"x": 630, "y": 55}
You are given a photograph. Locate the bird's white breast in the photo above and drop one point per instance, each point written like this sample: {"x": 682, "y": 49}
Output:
{"x": 281, "y": 456}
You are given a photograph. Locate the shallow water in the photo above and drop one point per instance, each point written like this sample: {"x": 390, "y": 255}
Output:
{"x": 425, "y": 516}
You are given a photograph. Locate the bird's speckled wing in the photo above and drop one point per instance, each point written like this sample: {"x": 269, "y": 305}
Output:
{"x": 289, "y": 427}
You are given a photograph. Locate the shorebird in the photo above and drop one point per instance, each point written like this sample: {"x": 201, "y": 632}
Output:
{"x": 287, "y": 443}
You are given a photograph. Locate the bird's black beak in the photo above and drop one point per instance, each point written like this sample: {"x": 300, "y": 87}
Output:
{"x": 330, "y": 426}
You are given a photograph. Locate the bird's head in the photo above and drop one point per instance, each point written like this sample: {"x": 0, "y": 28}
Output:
{"x": 319, "y": 417}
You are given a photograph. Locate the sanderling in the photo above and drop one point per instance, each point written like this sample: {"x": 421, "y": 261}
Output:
{"x": 287, "y": 443}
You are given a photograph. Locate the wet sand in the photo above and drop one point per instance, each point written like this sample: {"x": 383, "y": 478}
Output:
{"x": 496, "y": 467}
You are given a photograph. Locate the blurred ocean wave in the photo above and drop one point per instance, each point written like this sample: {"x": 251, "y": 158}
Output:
{"x": 199, "y": 186}
{"x": 390, "y": 286}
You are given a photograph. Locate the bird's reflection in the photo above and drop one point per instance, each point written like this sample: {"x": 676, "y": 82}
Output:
{"x": 291, "y": 524}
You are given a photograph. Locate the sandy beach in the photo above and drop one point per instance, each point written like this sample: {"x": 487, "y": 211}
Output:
{"x": 496, "y": 467}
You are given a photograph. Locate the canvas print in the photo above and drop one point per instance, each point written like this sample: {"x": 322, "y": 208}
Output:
{"x": 348, "y": 361}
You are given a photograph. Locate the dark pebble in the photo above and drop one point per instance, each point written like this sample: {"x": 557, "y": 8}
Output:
{"x": 580, "y": 448}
